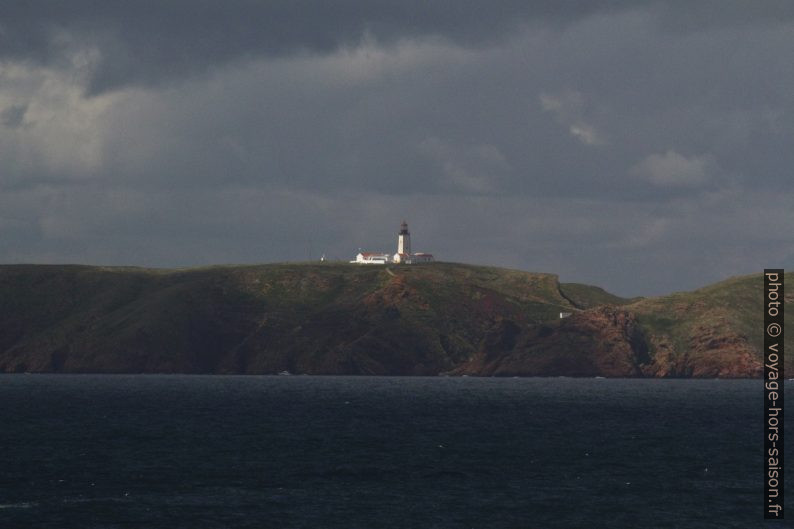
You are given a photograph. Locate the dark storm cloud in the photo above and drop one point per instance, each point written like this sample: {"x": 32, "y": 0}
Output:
{"x": 691, "y": 15}
{"x": 146, "y": 42}
{"x": 626, "y": 144}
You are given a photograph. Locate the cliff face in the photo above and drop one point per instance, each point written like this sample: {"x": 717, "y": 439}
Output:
{"x": 604, "y": 341}
{"x": 609, "y": 341}
{"x": 347, "y": 319}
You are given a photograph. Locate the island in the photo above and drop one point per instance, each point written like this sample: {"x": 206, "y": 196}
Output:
{"x": 332, "y": 318}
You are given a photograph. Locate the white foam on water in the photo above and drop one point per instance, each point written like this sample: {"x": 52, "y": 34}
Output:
{"x": 21, "y": 505}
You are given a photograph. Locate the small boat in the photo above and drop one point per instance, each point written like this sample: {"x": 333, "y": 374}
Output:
{"x": 285, "y": 373}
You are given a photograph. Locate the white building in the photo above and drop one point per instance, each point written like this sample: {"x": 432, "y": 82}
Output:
{"x": 372, "y": 258}
{"x": 403, "y": 255}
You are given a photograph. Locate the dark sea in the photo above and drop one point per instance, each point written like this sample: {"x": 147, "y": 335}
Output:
{"x": 85, "y": 451}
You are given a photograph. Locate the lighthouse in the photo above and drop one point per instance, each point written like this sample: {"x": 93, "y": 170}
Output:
{"x": 403, "y": 254}
{"x": 404, "y": 239}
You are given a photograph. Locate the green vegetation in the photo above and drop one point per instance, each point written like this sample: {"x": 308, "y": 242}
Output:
{"x": 723, "y": 316}
{"x": 310, "y": 317}
{"x": 588, "y": 296}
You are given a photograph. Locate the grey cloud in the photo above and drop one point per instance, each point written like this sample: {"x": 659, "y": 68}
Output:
{"x": 315, "y": 132}
{"x": 12, "y": 116}
{"x": 151, "y": 41}
{"x": 475, "y": 168}
{"x": 569, "y": 109}
{"x": 683, "y": 16}
{"x": 675, "y": 170}
{"x": 344, "y": 121}
{"x": 146, "y": 42}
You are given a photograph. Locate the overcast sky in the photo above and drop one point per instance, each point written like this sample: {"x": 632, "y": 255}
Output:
{"x": 645, "y": 147}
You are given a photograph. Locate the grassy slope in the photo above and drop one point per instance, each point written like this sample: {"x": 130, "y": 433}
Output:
{"x": 694, "y": 323}
{"x": 588, "y": 296}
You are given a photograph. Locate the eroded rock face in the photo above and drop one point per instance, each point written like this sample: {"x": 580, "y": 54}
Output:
{"x": 709, "y": 353}
{"x": 723, "y": 354}
{"x": 666, "y": 362}
{"x": 606, "y": 341}
{"x": 609, "y": 341}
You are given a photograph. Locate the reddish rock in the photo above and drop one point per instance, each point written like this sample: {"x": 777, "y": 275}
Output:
{"x": 605, "y": 341}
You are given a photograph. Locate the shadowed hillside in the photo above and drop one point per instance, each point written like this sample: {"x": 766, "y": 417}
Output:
{"x": 331, "y": 318}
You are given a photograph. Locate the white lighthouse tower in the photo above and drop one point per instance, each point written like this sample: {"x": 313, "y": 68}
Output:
{"x": 403, "y": 254}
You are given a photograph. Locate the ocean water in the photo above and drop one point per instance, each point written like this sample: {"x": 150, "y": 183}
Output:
{"x": 88, "y": 451}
